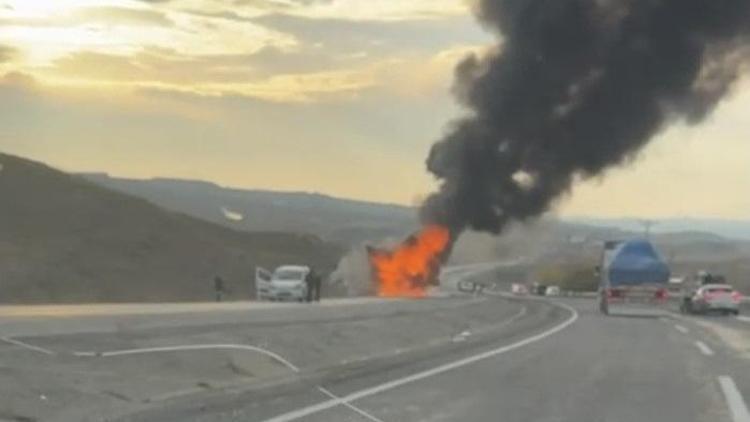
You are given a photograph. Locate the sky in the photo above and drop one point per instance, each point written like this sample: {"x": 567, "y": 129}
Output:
{"x": 342, "y": 97}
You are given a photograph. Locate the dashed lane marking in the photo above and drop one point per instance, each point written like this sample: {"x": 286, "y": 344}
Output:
{"x": 704, "y": 348}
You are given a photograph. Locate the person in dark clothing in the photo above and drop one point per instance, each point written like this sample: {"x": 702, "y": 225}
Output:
{"x": 313, "y": 282}
{"x": 219, "y": 288}
{"x": 317, "y": 282}
{"x": 310, "y": 286}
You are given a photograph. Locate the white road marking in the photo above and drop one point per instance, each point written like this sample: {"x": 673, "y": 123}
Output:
{"x": 704, "y": 348}
{"x": 349, "y": 405}
{"x": 734, "y": 400}
{"x": 681, "y": 329}
{"x": 743, "y": 318}
{"x": 190, "y": 347}
{"x": 27, "y": 346}
{"x": 316, "y": 408}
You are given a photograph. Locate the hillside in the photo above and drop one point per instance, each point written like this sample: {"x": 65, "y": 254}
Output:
{"x": 549, "y": 244}
{"x": 339, "y": 220}
{"x": 733, "y": 229}
{"x": 63, "y": 239}
{"x": 548, "y": 241}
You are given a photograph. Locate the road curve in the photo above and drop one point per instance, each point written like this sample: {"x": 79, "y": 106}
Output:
{"x": 441, "y": 359}
{"x": 553, "y": 364}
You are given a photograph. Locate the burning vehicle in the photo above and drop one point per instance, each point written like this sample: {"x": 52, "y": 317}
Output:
{"x": 412, "y": 267}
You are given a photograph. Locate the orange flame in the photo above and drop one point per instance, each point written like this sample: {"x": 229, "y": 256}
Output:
{"x": 408, "y": 270}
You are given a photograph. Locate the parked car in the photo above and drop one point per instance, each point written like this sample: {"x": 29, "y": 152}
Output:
{"x": 713, "y": 298}
{"x": 519, "y": 289}
{"x": 539, "y": 289}
{"x": 553, "y": 291}
{"x": 286, "y": 283}
{"x": 467, "y": 286}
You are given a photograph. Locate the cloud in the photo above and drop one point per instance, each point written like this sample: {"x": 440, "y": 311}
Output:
{"x": 269, "y": 73}
{"x": 280, "y": 4}
{"x": 7, "y": 53}
{"x": 110, "y": 15}
{"x": 219, "y": 14}
{"x": 122, "y": 15}
{"x": 169, "y": 66}
{"x": 17, "y": 80}
{"x": 374, "y": 35}
{"x": 388, "y": 10}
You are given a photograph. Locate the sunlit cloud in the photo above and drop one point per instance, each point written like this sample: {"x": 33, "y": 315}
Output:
{"x": 223, "y": 89}
{"x": 394, "y": 10}
{"x": 7, "y": 53}
{"x": 181, "y": 47}
{"x": 119, "y": 15}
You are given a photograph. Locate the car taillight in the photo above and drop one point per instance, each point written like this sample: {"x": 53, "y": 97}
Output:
{"x": 736, "y": 297}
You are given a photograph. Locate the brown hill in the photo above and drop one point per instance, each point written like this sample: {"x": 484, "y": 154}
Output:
{"x": 64, "y": 239}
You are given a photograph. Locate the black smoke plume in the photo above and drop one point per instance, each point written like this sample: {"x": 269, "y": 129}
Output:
{"x": 574, "y": 87}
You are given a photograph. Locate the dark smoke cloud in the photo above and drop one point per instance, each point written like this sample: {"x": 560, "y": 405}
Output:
{"x": 576, "y": 86}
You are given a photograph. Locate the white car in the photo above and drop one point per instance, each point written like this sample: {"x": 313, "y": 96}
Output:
{"x": 553, "y": 291}
{"x": 519, "y": 289}
{"x": 287, "y": 283}
{"x": 713, "y": 298}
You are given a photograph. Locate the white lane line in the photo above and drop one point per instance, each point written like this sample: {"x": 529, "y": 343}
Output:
{"x": 349, "y": 405}
{"x": 27, "y": 346}
{"x": 319, "y": 407}
{"x": 734, "y": 400}
{"x": 191, "y": 347}
{"x": 744, "y": 318}
{"x": 681, "y": 329}
{"x": 704, "y": 348}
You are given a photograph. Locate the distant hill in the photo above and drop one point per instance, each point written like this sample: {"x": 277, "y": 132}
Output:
{"x": 339, "y": 220}
{"x": 549, "y": 242}
{"x": 714, "y": 245}
{"x": 64, "y": 239}
{"x": 733, "y": 229}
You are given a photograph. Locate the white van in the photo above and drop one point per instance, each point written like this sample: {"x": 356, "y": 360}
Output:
{"x": 286, "y": 283}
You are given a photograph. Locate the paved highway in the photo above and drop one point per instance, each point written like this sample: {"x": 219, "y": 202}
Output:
{"x": 441, "y": 359}
{"x": 559, "y": 362}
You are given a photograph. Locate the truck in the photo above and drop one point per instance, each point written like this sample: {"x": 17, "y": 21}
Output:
{"x": 632, "y": 273}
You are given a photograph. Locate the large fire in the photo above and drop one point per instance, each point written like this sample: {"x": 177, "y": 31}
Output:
{"x": 413, "y": 266}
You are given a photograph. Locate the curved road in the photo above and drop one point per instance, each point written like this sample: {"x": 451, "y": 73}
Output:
{"x": 559, "y": 362}
{"x": 450, "y": 359}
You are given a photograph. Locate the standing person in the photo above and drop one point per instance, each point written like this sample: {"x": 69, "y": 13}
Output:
{"x": 219, "y": 288}
{"x": 310, "y": 283}
{"x": 317, "y": 281}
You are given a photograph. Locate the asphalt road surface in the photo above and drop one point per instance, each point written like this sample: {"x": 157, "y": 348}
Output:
{"x": 444, "y": 359}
